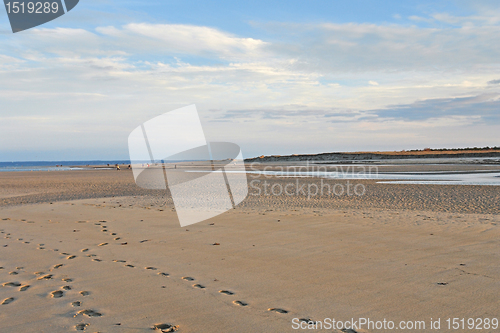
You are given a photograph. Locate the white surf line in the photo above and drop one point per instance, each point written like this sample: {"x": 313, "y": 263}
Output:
{"x": 466, "y": 179}
{"x": 438, "y": 182}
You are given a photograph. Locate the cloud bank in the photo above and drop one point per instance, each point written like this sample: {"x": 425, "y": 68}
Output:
{"x": 299, "y": 88}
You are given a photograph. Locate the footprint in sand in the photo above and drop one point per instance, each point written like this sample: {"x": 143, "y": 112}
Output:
{"x": 58, "y": 266}
{"x": 163, "y": 274}
{"x": 13, "y": 273}
{"x": 199, "y": 286}
{"x": 240, "y": 303}
{"x": 226, "y": 292}
{"x": 84, "y": 250}
{"x": 67, "y": 280}
{"x": 66, "y": 288}
{"x": 46, "y": 277}
{"x": 65, "y": 254}
{"x": 84, "y": 293}
{"x": 71, "y": 257}
{"x": 24, "y": 288}
{"x": 57, "y": 294}
{"x": 77, "y": 303}
{"x": 117, "y": 238}
{"x": 8, "y": 300}
{"x": 151, "y": 268}
{"x": 103, "y": 244}
{"x": 131, "y": 266}
{"x": 119, "y": 261}
{"x": 88, "y": 313}
{"x": 165, "y": 328}
{"x": 91, "y": 255}
{"x": 277, "y": 310}
{"x": 81, "y": 327}
{"x": 98, "y": 260}
{"x": 188, "y": 278}
{"x": 11, "y": 284}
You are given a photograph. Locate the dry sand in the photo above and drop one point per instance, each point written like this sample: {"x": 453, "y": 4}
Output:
{"x": 88, "y": 250}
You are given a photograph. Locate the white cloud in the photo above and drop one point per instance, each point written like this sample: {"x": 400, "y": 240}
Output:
{"x": 7, "y": 62}
{"x": 355, "y": 47}
{"x": 184, "y": 39}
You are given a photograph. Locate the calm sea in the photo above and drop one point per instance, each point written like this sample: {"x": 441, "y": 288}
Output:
{"x": 55, "y": 165}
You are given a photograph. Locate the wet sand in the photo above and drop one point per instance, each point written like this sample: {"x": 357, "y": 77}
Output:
{"x": 90, "y": 251}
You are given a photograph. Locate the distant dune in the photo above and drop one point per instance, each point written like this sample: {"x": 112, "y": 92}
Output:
{"x": 355, "y": 156}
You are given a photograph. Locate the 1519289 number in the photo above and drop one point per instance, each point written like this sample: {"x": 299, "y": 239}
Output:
{"x": 32, "y": 7}
{"x": 472, "y": 323}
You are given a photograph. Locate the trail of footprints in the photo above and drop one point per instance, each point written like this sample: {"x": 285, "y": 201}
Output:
{"x": 56, "y": 294}
{"x": 240, "y": 303}
{"x": 60, "y": 293}
{"x": 92, "y": 313}
{"x": 40, "y": 277}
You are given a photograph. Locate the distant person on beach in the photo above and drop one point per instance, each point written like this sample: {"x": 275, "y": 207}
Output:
{"x": 117, "y": 167}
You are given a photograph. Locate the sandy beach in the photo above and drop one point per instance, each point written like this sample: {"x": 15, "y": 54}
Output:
{"x": 90, "y": 251}
{"x": 250, "y": 166}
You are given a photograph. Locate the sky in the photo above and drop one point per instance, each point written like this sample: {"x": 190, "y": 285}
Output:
{"x": 274, "y": 77}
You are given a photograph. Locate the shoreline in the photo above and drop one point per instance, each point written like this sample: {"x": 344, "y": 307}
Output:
{"x": 44, "y": 187}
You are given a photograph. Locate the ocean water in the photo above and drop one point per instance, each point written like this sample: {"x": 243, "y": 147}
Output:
{"x": 477, "y": 177}
{"x": 55, "y": 165}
